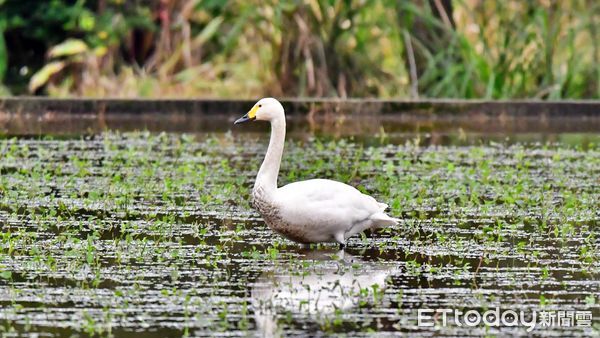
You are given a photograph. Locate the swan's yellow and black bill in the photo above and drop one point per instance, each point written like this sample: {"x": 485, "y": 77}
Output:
{"x": 243, "y": 119}
{"x": 250, "y": 116}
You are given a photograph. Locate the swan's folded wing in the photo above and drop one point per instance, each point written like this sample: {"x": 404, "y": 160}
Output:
{"x": 326, "y": 205}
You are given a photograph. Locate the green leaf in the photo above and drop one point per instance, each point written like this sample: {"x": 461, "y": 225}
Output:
{"x": 3, "y": 55}
{"x": 6, "y": 275}
{"x": 67, "y": 48}
{"x": 42, "y": 76}
{"x": 208, "y": 31}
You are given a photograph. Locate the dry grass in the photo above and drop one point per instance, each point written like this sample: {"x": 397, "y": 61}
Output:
{"x": 509, "y": 49}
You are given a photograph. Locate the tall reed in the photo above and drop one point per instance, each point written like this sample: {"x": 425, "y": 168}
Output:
{"x": 335, "y": 48}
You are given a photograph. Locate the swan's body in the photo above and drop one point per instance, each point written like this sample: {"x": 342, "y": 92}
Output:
{"x": 311, "y": 211}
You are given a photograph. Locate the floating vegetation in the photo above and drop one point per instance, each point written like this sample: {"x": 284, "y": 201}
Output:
{"x": 117, "y": 234}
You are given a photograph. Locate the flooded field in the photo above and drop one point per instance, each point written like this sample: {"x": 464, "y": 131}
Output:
{"x": 116, "y": 234}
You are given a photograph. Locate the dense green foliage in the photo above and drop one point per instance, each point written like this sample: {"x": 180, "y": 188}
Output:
{"x": 437, "y": 48}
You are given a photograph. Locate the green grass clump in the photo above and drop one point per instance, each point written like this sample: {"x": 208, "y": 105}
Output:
{"x": 458, "y": 49}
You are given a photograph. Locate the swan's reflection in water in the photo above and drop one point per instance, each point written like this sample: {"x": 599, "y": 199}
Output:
{"x": 316, "y": 285}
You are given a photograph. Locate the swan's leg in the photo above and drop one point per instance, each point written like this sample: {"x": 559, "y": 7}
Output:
{"x": 340, "y": 238}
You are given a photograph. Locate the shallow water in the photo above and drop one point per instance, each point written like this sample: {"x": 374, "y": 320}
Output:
{"x": 153, "y": 234}
{"x": 436, "y": 129}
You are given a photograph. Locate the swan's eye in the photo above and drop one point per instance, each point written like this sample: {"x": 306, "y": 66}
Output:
{"x": 260, "y": 105}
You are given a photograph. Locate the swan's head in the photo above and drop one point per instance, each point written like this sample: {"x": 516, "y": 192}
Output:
{"x": 267, "y": 109}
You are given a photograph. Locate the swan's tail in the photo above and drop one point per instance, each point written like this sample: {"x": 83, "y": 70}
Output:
{"x": 381, "y": 219}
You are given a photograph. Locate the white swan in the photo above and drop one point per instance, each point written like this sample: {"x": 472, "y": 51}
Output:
{"x": 311, "y": 211}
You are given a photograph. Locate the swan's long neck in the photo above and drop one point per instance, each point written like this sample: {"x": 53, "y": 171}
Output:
{"x": 269, "y": 170}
